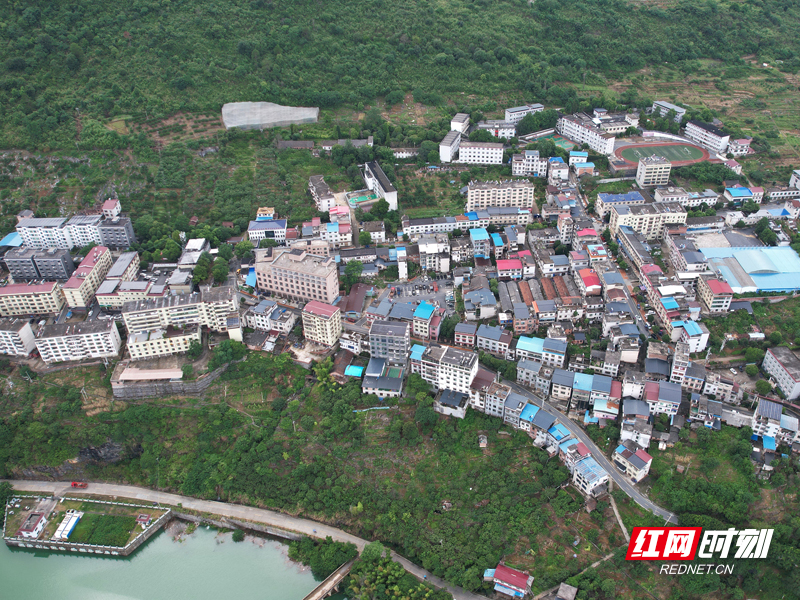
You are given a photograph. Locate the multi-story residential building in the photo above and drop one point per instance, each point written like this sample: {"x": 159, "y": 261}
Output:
{"x": 379, "y": 183}
{"x": 590, "y": 478}
{"x": 512, "y": 409}
{"x": 322, "y": 323}
{"x": 739, "y": 147}
{"x": 126, "y": 267}
{"x": 114, "y": 293}
{"x": 116, "y": 232}
{"x": 528, "y": 164}
{"x": 652, "y": 171}
{"x": 21, "y": 299}
{"x": 708, "y": 136}
{"x": 376, "y": 231}
{"x": 79, "y": 289}
{"x": 448, "y": 147}
{"x": 274, "y": 229}
{"x": 445, "y": 367}
{"x": 315, "y": 246}
{"x": 605, "y": 201}
{"x": 498, "y": 128}
{"x": 509, "y": 268}
{"x": 563, "y": 383}
{"x": 662, "y": 108}
{"x": 298, "y": 275}
{"x": 767, "y": 418}
{"x": 494, "y": 340}
{"x": 321, "y": 193}
{"x": 67, "y": 342}
{"x": 16, "y": 337}
{"x": 680, "y": 363}
{"x": 724, "y": 388}
{"x": 83, "y": 229}
{"x": 111, "y": 208}
{"x": 580, "y": 128}
{"x": 715, "y": 295}
{"x": 647, "y": 219}
{"x": 632, "y": 460}
{"x": 465, "y": 335}
{"x": 267, "y": 315}
{"x": 44, "y": 233}
{"x": 423, "y": 317}
{"x": 390, "y": 340}
{"x": 480, "y": 153}
{"x": 515, "y": 114}
{"x": 557, "y": 171}
{"x": 692, "y": 333}
{"x": 163, "y": 342}
{"x": 460, "y": 123}
{"x": 212, "y": 308}
{"x": 20, "y": 265}
{"x": 495, "y": 400}
{"x": 481, "y": 195}
{"x": 665, "y": 400}
{"x": 434, "y": 252}
{"x": 783, "y": 364}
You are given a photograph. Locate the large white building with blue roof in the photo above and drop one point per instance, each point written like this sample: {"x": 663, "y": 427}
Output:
{"x": 754, "y": 269}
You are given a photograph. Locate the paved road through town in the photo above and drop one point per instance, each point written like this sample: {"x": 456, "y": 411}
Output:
{"x": 620, "y": 480}
{"x": 238, "y": 511}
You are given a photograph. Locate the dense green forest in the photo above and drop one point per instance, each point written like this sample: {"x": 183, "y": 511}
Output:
{"x": 66, "y": 66}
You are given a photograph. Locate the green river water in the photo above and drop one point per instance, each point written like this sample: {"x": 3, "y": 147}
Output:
{"x": 204, "y": 566}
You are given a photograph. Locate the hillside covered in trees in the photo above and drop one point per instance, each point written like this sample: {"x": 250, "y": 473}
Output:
{"x": 66, "y": 67}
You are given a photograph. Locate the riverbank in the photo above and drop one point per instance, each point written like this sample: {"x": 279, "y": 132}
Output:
{"x": 249, "y": 514}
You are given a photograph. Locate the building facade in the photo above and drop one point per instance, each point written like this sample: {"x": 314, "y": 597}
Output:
{"x": 322, "y": 323}
{"x": 298, "y": 275}
{"x": 20, "y": 300}
{"x": 79, "y": 289}
{"x": 480, "y": 153}
{"x": 652, "y": 171}
{"x": 68, "y": 342}
{"x": 482, "y": 195}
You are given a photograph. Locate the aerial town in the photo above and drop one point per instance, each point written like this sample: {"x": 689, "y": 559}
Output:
{"x": 533, "y": 305}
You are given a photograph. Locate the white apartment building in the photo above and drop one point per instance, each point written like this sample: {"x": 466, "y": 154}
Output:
{"x": 662, "y": 108}
{"x": 460, "y": 123}
{"x": 44, "y": 233}
{"x": 114, "y": 293}
{"x": 83, "y": 230}
{"x": 298, "y": 275}
{"x": 708, "y": 136}
{"x": 445, "y": 367}
{"x": 80, "y": 288}
{"x": 211, "y": 308}
{"x": 16, "y": 337}
{"x": 378, "y": 182}
{"x": 480, "y": 153}
{"x": 268, "y": 316}
{"x": 515, "y": 114}
{"x": 783, "y": 364}
{"x": 647, "y": 219}
{"x": 68, "y": 342}
{"x": 580, "y": 128}
{"x": 163, "y": 342}
{"x": 448, "y": 147}
{"x": 267, "y": 230}
{"x": 481, "y": 195}
{"x": 322, "y": 323}
{"x": 674, "y": 194}
{"x": 739, "y": 147}
{"x": 767, "y": 418}
{"x": 321, "y": 193}
{"x": 528, "y": 164}
{"x": 21, "y": 299}
{"x": 652, "y": 171}
{"x": 498, "y": 129}
{"x": 126, "y": 267}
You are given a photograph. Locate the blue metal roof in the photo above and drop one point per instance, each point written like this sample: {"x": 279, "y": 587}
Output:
{"x": 12, "y": 239}
{"x": 583, "y": 382}
{"x": 629, "y": 197}
{"x": 472, "y": 216}
{"x": 251, "y": 277}
{"x": 497, "y": 240}
{"x": 584, "y": 165}
{"x": 530, "y": 344}
{"x": 417, "y": 351}
{"x": 478, "y": 234}
{"x": 559, "y": 432}
{"x": 769, "y": 442}
{"x": 691, "y": 327}
{"x": 669, "y": 303}
{"x": 578, "y": 153}
{"x": 570, "y": 442}
{"x": 424, "y": 310}
{"x": 740, "y": 192}
{"x": 528, "y": 413}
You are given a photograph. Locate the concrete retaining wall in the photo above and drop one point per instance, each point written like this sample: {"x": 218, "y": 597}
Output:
{"x": 227, "y": 523}
{"x": 158, "y": 389}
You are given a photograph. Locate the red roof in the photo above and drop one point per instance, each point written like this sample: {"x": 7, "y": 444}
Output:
{"x": 586, "y": 231}
{"x": 87, "y": 266}
{"x": 651, "y": 269}
{"x": 320, "y": 309}
{"x": 524, "y": 253}
{"x": 110, "y": 204}
{"x": 719, "y": 287}
{"x": 589, "y": 277}
{"x": 644, "y": 455}
{"x": 21, "y": 288}
{"x": 509, "y": 264}
{"x": 616, "y": 389}
{"x": 583, "y": 450}
{"x": 651, "y": 391}
{"x": 505, "y": 574}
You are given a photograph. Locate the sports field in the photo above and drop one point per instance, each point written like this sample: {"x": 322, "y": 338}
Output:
{"x": 394, "y": 372}
{"x": 677, "y": 153}
{"x": 559, "y": 141}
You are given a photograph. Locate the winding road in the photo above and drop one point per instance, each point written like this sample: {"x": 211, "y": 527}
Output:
{"x": 576, "y": 430}
{"x": 237, "y": 511}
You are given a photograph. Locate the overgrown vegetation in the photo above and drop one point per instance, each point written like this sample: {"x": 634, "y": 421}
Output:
{"x": 324, "y": 557}
{"x": 103, "y": 530}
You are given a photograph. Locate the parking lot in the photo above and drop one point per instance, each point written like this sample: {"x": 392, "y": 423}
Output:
{"x": 422, "y": 289}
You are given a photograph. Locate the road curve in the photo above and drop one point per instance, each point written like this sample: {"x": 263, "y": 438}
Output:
{"x": 576, "y": 430}
{"x": 238, "y": 511}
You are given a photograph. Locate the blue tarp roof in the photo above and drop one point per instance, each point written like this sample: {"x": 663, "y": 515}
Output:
{"x": 497, "y": 240}
{"x": 691, "y": 327}
{"x": 740, "y": 192}
{"x": 417, "y": 351}
{"x": 12, "y": 239}
{"x": 251, "y": 277}
{"x": 769, "y": 442}
{"x": 424, "y": 310}
{"x": 528, "y": 413}
{"x": 564, "y": 445}
{"x": 583, "y": 382}
{"x": 354, "y": 371}
{"x": 669, "y": 303}
{"x": 584, "y": 165}
{"x": 478, "y": 234}
{"x": 472, "y": 216}
{"x": 558, "y": 431}
{"x": 578, "y": 153}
